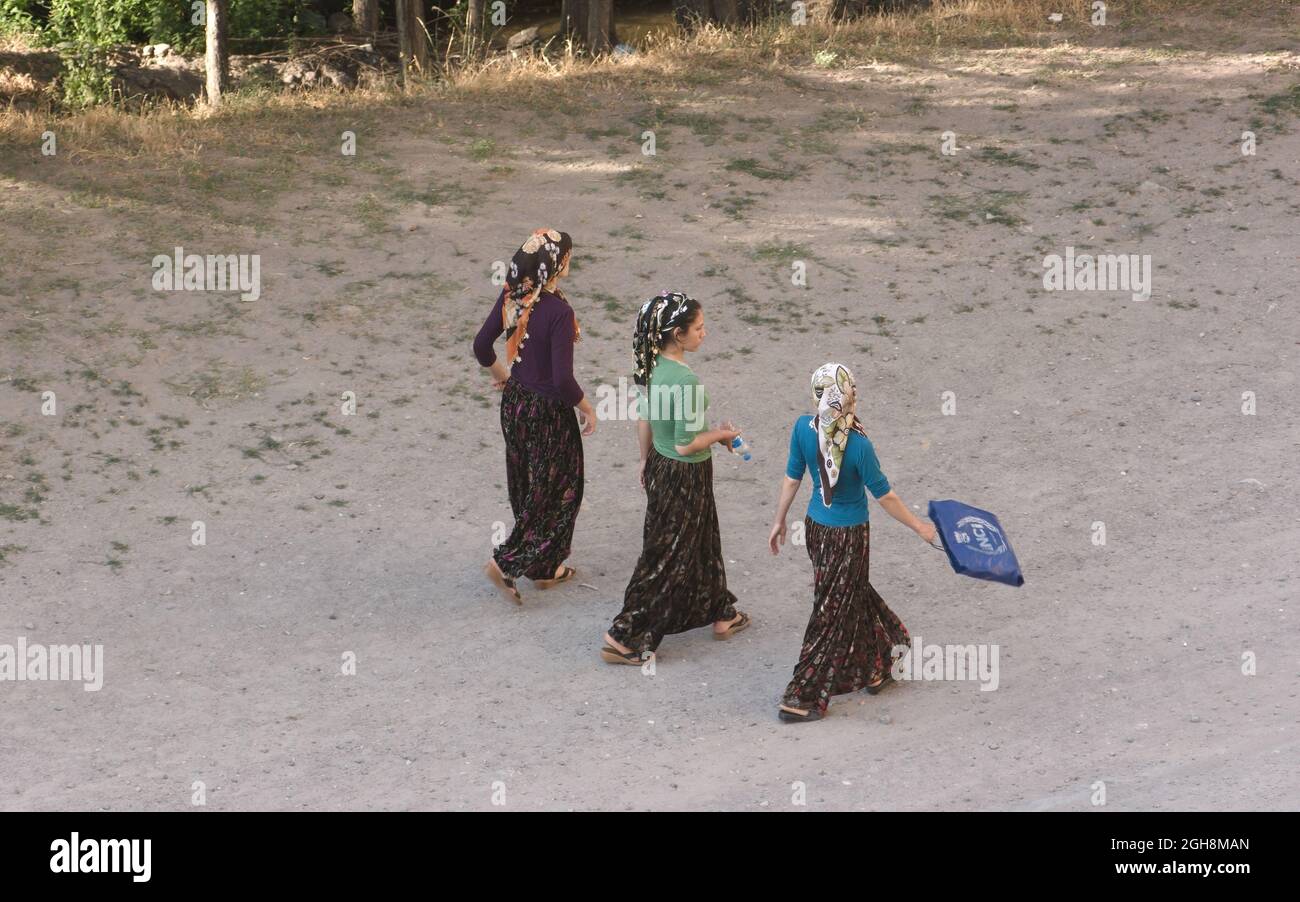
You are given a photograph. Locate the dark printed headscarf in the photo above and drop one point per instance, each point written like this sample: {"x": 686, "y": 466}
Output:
{"x": 658, "y": 316}
{"x": 537, "y": 260}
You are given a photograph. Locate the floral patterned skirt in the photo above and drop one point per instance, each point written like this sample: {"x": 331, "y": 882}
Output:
{"x": 852, "y": 631}
{"x": 680, "y": 581}
{"x": 544, "y": 475}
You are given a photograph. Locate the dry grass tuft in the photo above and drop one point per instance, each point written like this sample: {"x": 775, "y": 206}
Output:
{"x": 565, "y": 81}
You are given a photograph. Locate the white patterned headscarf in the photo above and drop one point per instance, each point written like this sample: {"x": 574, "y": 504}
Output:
{"x": 833, "y": 422}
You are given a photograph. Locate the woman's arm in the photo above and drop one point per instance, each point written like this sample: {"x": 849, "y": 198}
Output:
{"x": 789, "y": 488}
{"x": 645, "y": 436}
{"x": 895, "y": 507}
{"x": 706, "y": 438}
{"x": 562, "y": 372}
{"x": 490, "y": 332}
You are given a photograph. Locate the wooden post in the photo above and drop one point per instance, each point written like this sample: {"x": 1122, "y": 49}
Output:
{"x": 365, "y": 16}
{"x": 403, "y": 36}
{"x": 216, "y": 60}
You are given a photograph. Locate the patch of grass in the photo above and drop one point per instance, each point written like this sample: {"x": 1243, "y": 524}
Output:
{"x": 17, "y": 514}
{"x": 916, "y": 106}
{"x": 436, "y": 194}
{"x": 753, "y": 167}
{"x": 772, "y": 252}
{"x": 1281, "y": 105}
{"x": 373, "y": 214}
{"x": 483, "y": 149}
{"x": 645, "y": 180}
{"x": 6, "y": 550}
{"x": 990, "y": 207}
{"x": 733, "y": 206}
{"x": 219, "y": 382}
{"x": 704, "y": 126}
{"x": 1005, "y": 158}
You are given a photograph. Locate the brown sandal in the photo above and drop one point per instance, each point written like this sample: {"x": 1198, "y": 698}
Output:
{"x": 734, "y": 628}
{"x": 566, "y": 574}
{"x": 791, "y": 717}
{"x": 874, "y": 690}
{"x": 504, "y": 583}
{"x": 611, "y": 655}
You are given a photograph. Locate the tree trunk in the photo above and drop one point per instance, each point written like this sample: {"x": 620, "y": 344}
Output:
{"x": 216, "y": 60}
{"x": 726, "y": 12}
{"x": 412, "y": 39}
{"x": 365, "y": 15}
{"x": 573, "y": 18}
{"x": 474, "y": 27}
{"x": 600, "y": 21}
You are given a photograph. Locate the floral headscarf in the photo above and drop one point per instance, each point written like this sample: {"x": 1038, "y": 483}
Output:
{"x": 658, "y": 315}
{"x": 538, "y": 259}
{"x": 833, "y": 423}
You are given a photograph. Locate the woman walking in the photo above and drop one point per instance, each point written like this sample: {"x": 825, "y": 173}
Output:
{"x": 851, "y": 633}
{"x": 538, "y": 393}
{"x": 680, "y": 582}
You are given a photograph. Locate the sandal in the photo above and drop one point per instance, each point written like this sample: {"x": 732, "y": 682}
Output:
{"x": 791, "y": 717}
{"x": 566, "y": 574}
{"x": 505, "y": 583}
{"x": 734, "y": 628}
{"x": 873, "y": 690}
{"x": 612, "y": 655}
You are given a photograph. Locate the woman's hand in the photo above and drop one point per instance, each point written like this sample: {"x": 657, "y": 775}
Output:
{"x": 500, "y": 375}
{"x": 640, "y": 472}
{"x": 777, "y": 535}
{"x": 895, "y": 507}
{"x": 727, "y": 433}
{"x": 587, "y": 417}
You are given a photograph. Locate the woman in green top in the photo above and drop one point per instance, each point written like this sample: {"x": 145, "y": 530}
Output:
{"x": 680, "y": 582}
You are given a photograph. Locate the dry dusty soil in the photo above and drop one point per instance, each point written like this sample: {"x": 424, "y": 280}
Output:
{"x": 333, "y": 536}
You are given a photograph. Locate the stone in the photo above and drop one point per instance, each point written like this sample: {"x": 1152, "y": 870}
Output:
{"x": 524, "y": 38}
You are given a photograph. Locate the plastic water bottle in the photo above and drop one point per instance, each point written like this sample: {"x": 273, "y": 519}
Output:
{"x": 742, "y": 447}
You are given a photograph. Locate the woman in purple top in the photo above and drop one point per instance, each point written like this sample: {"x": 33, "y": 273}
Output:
{"x": 538, "y": 394}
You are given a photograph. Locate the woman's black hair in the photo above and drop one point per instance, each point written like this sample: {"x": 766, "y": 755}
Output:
{"x": 690, "y": 313}
{"x": 660, "y": 317}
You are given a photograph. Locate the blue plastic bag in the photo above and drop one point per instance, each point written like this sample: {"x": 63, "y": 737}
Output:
{"x": 975, "y": 542}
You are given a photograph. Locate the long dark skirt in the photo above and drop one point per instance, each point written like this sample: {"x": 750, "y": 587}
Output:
{"x": 852, "y": 631}
{"x": 680, "y": 582}
{"x": 544, "y": 476}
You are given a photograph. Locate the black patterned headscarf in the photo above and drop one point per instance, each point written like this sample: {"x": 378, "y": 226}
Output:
{"x": 658, "y": 316}
{"x": 538, "y": 259}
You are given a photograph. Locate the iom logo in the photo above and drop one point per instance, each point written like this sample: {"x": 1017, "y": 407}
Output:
{"x": 979, "y": 534}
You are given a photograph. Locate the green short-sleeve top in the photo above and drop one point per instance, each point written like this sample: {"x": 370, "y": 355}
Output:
{"x": 674, "y": 404}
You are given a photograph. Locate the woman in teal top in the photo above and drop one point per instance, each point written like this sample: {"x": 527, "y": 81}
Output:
{"x": 852, "y": 632}
{"x": 680, "y": 582}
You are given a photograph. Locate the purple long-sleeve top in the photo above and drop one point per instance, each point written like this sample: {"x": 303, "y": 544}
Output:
{"x": 546, "y": 364}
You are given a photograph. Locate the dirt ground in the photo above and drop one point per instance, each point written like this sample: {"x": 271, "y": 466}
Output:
{"x": 330, "y": 534}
